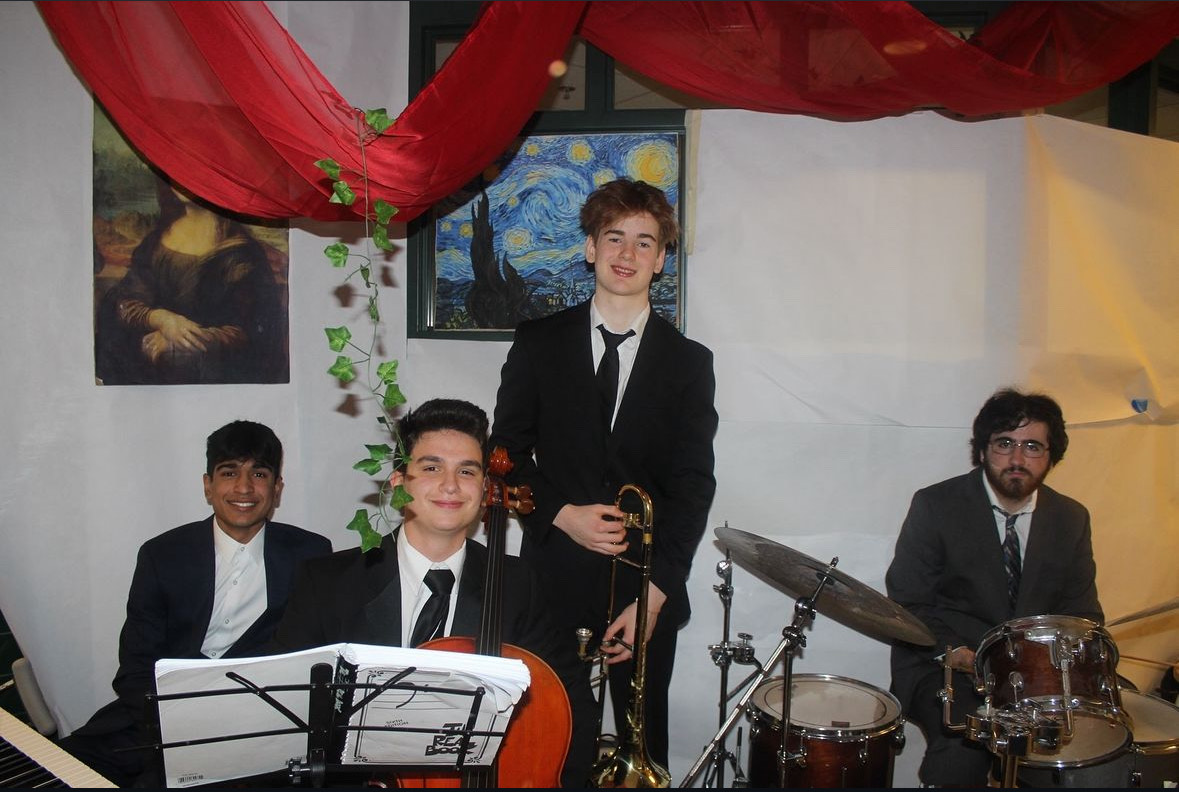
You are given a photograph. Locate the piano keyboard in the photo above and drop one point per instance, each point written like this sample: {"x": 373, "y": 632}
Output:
{"x": 29, "y": 760}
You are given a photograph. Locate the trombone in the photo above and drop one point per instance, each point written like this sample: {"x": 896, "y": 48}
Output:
{"x": 627, "y": 764}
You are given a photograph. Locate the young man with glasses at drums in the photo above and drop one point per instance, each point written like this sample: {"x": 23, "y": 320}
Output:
{"x": 978, "y": 550}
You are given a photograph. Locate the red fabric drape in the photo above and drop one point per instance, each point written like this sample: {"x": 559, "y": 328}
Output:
{"x": 218, "y": 96}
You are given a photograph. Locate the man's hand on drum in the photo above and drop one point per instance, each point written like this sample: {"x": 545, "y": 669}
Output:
{"x": 960, "y": 659}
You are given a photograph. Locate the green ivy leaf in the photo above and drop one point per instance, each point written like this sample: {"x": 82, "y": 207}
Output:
{"x": 330, "y": 167}
{"x": 369, "y": 538}
{"x": 342, "y": 193}
{"x": 337, "y": 337}
{"x": 378, "y": 119}
{"x": 381, "y": 238}
{"x": 379, "y": 452}
{"x": 342, "y": 369}
{"x": 387, "y": 372}
{"x": 393, "y": 397}
{"x": 337, "y": 254}
{"x": 374, "y": 311}
{"x": 401, "y": 497}
{"x": 365, "y": 272}
{"x": 369, "y": 466}
{"x": 385, "y": 211}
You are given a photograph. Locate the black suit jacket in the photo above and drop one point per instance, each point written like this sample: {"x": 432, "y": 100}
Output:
{"x": 547, "y": 416}
{"x": 352, "y": 596}
{"x": 171, "y": 600}
{"x": 948, "y": 570}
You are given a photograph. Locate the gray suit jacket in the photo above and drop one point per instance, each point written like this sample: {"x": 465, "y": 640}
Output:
{"x": 948, "y": 571}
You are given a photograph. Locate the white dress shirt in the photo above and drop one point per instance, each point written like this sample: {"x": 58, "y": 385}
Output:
{"x": 626, "y": 350}
{"x": 412, "y": 567}
{"x": 239, "y": 589}
{"x": 1023, "y": 524}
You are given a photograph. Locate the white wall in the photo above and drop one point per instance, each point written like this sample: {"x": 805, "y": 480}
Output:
{"x": 864, "y": 286}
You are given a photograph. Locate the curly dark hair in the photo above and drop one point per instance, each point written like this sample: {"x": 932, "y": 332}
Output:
{"x": 1009, "y": 409}
{"x": 437, "y": 415}
{"x": 244, "y": 440}
{"x": 624, "y": 197}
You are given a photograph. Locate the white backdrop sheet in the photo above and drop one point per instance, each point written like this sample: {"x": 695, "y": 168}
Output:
{"x": 864, "y": 287}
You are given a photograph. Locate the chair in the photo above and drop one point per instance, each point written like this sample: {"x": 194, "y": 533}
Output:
{"x": 31, "y": 698}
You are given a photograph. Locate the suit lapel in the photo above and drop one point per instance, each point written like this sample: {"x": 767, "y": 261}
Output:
{"x": 1039, "y": 545}
{"x": 205, "y": 571}
{"x": 468, "y": 611}
{"x": 652, "y": 349}
{"x": 382, "y": 613}
{"x": 990, "y": 550}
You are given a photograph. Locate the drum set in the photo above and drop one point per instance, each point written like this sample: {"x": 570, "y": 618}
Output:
{"x": 1054, "y": 712}
{"x": 1056, "y": 715}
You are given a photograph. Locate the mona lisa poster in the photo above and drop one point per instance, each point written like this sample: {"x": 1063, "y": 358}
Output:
{"x": 184, "y": 293}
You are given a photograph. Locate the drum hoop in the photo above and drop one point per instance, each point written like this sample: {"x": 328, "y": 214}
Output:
{"x": 1087, "y": 761}
{"x": 889, "y": 722}
{"x": 1035, "y": 628}
{"x": 1150, "y": 747}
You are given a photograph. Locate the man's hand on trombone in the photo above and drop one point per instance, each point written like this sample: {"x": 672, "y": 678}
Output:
{"x": 620, "y": 635}
{"x": 596, "y": 526}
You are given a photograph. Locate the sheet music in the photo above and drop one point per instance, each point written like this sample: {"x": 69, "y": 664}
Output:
{"x": 441, "y": 715}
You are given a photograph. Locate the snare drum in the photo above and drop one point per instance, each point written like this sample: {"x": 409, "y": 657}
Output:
{"x": 845, "y": 732}
{"x": 1051, "y": 662}
{"x": 1151, "y": 760}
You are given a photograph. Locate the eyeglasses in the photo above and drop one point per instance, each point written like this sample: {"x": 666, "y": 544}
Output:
{"x": 1005, "y": 446}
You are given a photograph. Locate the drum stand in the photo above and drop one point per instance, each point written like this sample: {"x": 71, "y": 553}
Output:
{"x": 1006, "y": 733}
{"x": 792, "y": 639}
{"x": 723, "y": 655}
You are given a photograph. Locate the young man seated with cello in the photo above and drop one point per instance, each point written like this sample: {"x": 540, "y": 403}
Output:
{"x": 379, "y": 597}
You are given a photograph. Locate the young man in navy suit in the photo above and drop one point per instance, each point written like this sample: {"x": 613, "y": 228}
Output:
{"x": 952, "y": 569}
{"x": 576, "y": 435}
{"x": 214, "y": 588}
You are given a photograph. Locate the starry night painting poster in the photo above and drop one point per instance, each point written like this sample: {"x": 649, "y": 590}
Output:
{"x": 510, "y": 248}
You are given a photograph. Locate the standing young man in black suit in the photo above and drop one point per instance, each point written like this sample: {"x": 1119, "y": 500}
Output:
{"x": 379, "y": 597}
{"x": 951, "y": 567}
{"x": 214, "y": 588}
{"x": 576, "y": 437}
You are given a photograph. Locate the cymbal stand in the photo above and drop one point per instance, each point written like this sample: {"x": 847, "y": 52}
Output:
{"x": 792, "y": 639}
{"x": 723, "y": 655}
{"x": 1008, "y": 733}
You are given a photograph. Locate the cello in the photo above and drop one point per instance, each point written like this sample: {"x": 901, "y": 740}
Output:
{"x": 536, "y": 741}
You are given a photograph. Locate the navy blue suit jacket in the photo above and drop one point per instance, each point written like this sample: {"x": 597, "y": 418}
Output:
{"x": 171, "y": 600}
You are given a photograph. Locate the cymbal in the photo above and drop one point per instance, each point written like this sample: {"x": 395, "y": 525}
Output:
{"x": 1142, "y": 614}
{"x": 844, "y": 598}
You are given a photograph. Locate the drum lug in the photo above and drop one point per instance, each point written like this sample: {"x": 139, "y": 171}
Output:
{"x": 1012, "y": 648}
{"x": 1015, "y": 680}
{"x": 1135, "y": 780}
{"x": 863, "y": 754}
{"x": 898, "y": 737}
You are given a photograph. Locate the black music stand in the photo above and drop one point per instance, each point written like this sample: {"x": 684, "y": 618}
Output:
{"x": 328, "y": 720}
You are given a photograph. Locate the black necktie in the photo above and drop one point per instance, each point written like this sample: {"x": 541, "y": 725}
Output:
{"x": 608, "y": 371}
{"x": 432, "y": 620}
{"x": 1011, "y": 557}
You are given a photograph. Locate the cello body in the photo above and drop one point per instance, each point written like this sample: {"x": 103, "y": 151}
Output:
{"x": 533, "y": 750}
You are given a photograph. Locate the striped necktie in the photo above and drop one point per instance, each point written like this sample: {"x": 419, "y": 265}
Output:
{"x": 1011, "y": 558}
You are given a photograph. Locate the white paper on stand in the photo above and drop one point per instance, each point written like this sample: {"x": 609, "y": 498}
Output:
{"x": 440, "y": 715}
